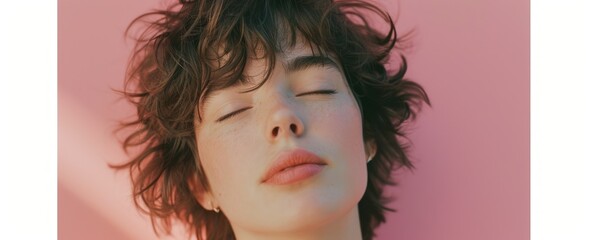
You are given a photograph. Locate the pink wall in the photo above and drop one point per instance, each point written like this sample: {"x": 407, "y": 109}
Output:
{"x": 471, "y": 148}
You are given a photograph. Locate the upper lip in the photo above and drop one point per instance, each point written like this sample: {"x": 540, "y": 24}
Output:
{"x": 289, "y": 159}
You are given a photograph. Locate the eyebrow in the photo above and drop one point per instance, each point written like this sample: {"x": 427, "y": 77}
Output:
{"x": 305, "y": 62}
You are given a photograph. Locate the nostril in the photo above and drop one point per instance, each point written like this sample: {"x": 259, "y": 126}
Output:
{"x": 293, "y": 128}
{"x": 276, "y": 130}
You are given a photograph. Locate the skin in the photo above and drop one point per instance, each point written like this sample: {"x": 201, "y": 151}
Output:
{"x": 283, "y": 114}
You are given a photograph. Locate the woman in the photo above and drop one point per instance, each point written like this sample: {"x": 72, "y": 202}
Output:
{"x": 267, "y": 119}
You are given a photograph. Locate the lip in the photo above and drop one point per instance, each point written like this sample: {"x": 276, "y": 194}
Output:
{"x": 293, "y": 166}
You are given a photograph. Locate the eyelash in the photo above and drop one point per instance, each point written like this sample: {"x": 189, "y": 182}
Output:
{"x": 227, "y": 116}
{"x": 232, "y": 114}
{"x": 327, "y": 92}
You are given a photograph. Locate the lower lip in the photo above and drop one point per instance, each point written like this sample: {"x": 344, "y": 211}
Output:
{"x": 295, "y": 174}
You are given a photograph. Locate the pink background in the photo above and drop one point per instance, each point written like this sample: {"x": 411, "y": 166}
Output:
{"x": 471, "y": 149}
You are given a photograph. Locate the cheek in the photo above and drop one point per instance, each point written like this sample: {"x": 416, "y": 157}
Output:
{"x": 339, "y": 130}
{"x": 342, "y": 126}
{"x": 221, "y": 155}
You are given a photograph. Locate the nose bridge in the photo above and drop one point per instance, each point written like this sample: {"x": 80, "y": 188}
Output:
{"x": 284, "y": 120}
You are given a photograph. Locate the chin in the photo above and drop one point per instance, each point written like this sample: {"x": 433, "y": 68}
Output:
{"x": 325, "y": 205}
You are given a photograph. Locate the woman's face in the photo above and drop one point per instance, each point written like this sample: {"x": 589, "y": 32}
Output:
{"x": 305, "y": 106}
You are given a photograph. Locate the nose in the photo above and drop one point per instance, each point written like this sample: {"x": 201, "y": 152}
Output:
{"x": 284, "y": 122}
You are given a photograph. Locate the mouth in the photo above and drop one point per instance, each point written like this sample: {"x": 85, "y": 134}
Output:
{"x": 293, "y": 166}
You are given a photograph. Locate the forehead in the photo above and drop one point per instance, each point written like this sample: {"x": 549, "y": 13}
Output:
{"x": 297, "y": 58}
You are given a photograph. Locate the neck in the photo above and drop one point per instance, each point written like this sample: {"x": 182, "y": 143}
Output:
{"x": 345, "y": 228}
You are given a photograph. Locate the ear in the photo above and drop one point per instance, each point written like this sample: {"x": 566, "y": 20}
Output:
{"x": 370, "y": 149}
{"x": 204, "y": 197}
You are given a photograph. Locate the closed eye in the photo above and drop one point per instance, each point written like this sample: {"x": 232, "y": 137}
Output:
{"x": 234, "y": 113}
{"x": 325, "y": 92}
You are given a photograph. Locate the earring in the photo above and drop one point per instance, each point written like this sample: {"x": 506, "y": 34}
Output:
{"x": 371, "y": 148}
{"x": 215, "y": 209}
{"x": 370, "y": 158}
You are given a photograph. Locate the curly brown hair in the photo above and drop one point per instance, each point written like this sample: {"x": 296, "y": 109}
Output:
{"x": 175, "y": 64}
